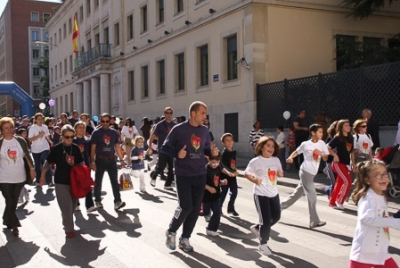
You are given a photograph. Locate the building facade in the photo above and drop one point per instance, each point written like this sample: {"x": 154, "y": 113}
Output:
{"x": 137, "y": 57}
{"x": 23, "y": 39}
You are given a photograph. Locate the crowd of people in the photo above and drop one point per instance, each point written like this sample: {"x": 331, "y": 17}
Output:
{"x": 203, "y": 174}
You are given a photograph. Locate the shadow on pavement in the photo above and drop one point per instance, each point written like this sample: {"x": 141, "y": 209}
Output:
{"x": 296, "y": 262}
{"x": 123, "y": 221}
{"x": 195, "y": 260}
{"x": 43, "y": 199}
{"x": 16, "y": 251}
{"x": 149, "y": 197}
{"x": 74, "y": 248}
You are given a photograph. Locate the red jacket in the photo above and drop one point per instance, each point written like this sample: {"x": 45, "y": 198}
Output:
{"x": 81, "y": 182}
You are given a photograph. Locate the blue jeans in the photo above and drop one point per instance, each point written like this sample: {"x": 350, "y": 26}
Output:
{"x": 111, "y": 166}
{"x": 233, "y": 187}
{"x": 215, "y": 207}
{"x": 190, "y": 191}
{"x": 39, "y": 159}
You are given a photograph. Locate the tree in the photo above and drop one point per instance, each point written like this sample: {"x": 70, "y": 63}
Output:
{"x": 364, "y": 8}
{"x": 44, "y": 80}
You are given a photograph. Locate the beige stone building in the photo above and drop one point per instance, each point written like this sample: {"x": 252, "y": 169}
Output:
{"x": 137, "y": 57}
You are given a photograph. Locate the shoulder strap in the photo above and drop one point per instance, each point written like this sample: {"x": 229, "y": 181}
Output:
{"x": 358, "y": 136}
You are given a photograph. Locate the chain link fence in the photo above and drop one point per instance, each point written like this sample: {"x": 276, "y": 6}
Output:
{"x": 342, "y": 94}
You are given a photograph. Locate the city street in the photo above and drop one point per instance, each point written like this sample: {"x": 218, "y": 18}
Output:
{"x": 135, "y": 236}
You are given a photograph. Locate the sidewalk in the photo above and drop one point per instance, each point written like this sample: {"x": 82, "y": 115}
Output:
{"x": 320, "y": 180}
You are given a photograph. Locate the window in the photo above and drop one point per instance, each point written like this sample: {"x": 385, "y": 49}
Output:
{"x": 345, "y": 46}
{"x": 60, "y": 69}
{"x": 371, "y": 51}
{"x": 88, "y": 7}
{"x": 65, "y": 67}
{"x": 71, "y": 64}
{"x": 96, "y": 40}
{"x": 55, "y": 72}
{"x": 35, "y": 71}
{"x": 46, "y": 17}
{"x": 89, "y": 44}
{"x": 81, "y": 13}
{"x": 145, "y": 82}
{"x": 106, "y": 36}
{"x": 35, "y": 53}
{"x": 394, "y": 43}
{"x": 131, "y": 85}
{"x": 203, "y": 74}
{"x": 179, "y": 6}
{"x": 116, "y": 34}
{"x": 96, "y": 3}
{"x": 160, "y": 11}
{"x": 45, "y": 36}
{"x": 180, "y": 65}
{"x": 231, "y": 49}
{"x": 51, "y": 75}
{"x": 129, "y": 23}
{"x": 35, "y": 16}
{"x": 65, "y": 30}
{"x": 36, "y": 90}
{"x": 143, "y": 13}
{"x": 46, "y": 52}
{"x": 59, "y": 35}
{"x": 232, "y": 125}
{"x": 161, "y": 77}
{"x": 35, "y": 35}
{"x": 70, "y": 25}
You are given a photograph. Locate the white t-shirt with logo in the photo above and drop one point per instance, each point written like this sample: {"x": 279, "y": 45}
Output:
{"x": 11, "y": 162}
{"x": 266, "y": 169}
{"x": 363, "y": 142}
{"x": 40, "y": 144}
{"x": 311, "y": 160}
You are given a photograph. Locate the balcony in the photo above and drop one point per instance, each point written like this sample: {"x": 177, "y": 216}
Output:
{"x": 94, "y": 54}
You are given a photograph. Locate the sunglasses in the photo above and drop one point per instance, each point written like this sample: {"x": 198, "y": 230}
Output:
{"x": 363, "y": 126}
{"x": 68, "y": 137}
{"x": 105, "y": 121}
{"x": 167, "y": 113}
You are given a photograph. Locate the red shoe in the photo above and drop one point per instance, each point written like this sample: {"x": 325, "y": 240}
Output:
{"x": 69, "y": 234}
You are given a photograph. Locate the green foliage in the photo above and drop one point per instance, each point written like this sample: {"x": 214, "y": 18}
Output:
{"x": 364, "y": 8}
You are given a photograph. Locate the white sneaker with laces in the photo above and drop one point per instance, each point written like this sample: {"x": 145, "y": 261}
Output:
{"x": 208, "y": 217}
{"x": 264, "y": 249}
{"x": 171, "y": 240}
{"x": 185, "y": 245}
{"x": 339, "y": 206}
{"x": 212, "y": 233}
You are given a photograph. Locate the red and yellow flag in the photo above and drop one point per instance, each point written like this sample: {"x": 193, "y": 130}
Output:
{"x": 75, "y": 34}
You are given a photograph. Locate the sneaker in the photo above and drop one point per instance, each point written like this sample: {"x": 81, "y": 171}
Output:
{"x": 339, "y": 206}
{"x": 153, "y": 183}
{"x": 264, "y": 249}
{"x": 315, "y": 225}
{"x": 91, "y": 209}
{"x": 212, "y": 233}
{"x": 254, "y": 229}
{"x": 168, "y": 188}
{"x": 233, "y": 212}
{"x": 208, "y": 217}
{"x": 26, "y": 197}
{"x": 99, "y": 204}
{"x": 143, "y": 191}
{"x": 171, "y": 240}
{"x": 185, "y": 245}
{"x": 119, "y": 205}
{"x": 20, "y": 200}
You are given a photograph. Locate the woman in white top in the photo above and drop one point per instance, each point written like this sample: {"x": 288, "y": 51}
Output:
{"x": 371, "y": 238}
{"x": 39, "y": 136}
{"x": 362, "y": 141}
{"x": 12, "y": 171}
{"x": 128, "y": 132}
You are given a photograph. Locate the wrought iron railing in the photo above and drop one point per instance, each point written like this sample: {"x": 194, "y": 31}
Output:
{"x": 342, "y": 94}
{"x": 88, "y": 57}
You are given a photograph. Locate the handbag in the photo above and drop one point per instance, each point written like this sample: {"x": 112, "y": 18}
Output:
{"x": 125, "y": 181}
{"x": 128, "y": 141}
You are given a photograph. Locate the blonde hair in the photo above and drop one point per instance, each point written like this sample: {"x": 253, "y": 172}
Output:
{"x": 363, "y": 170}
{"x": 138, "y": 137}
{"x": 6, "y": 120}
{"x": 357, "y": 124}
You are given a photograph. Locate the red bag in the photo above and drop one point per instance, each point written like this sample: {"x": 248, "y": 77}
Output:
{"x": 80, "y": 180}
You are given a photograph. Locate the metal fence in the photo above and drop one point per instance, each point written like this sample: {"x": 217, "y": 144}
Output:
{"x": 342, "y": 94}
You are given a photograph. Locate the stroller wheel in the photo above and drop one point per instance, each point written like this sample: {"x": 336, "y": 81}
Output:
{"x": 394, "y": 191}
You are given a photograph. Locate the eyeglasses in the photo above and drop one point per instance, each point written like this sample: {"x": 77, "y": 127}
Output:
{"x": 380, "y": 176}
{"x": 167, "y": 112}
{"x": 363, "y": 126}
{"x": 68, "y": 137}
{"x": 105, "y": 121}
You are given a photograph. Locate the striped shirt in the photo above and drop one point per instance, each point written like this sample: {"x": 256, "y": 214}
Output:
{"x": 255, "y": 135}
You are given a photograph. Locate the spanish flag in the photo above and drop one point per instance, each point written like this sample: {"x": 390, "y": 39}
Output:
{"x": 75, "y": 34}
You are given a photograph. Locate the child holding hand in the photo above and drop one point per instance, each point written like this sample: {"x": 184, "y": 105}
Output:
{"x": 263, "y": 171}
{"x": 137, "y": 159}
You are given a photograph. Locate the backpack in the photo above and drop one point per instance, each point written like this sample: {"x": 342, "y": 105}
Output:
{"x": 80, "y": 181}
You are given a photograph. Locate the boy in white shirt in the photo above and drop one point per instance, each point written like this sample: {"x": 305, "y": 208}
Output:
{"x": 313, "y": 150}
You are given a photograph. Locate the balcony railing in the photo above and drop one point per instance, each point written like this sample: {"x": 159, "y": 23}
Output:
{"x": 86, "y": 58}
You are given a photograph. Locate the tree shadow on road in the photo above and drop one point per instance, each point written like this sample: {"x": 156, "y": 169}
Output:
{"x": 78, "y": 251}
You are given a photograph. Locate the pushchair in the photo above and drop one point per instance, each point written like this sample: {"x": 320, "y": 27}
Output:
{"x": 392, "y": 160}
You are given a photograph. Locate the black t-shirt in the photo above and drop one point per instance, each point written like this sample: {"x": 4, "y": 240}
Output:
{"x": 301, "y": 135}
{"x": 213, "y": 180}
{"x": 84, "y": 147}
{"x": 343, "y": 148}
{"x": 59, "y": 156}
{"x": 228, "y": 161}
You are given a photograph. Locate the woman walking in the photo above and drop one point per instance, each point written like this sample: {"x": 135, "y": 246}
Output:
{"x": 13, "y": 174}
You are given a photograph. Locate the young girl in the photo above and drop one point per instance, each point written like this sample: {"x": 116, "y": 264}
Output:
{"x": 137, "y": 158}
{"x": 362, "y": 141}
{"x": 341, "y": 147}
{"x": 371, "y": 238}
{"x": 263, "y": 170}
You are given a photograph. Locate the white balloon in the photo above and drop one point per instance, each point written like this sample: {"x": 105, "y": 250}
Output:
{"x": 117, "y": 120}
{"x": 286, "y": 115}
{"x": 42, "y": 106}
